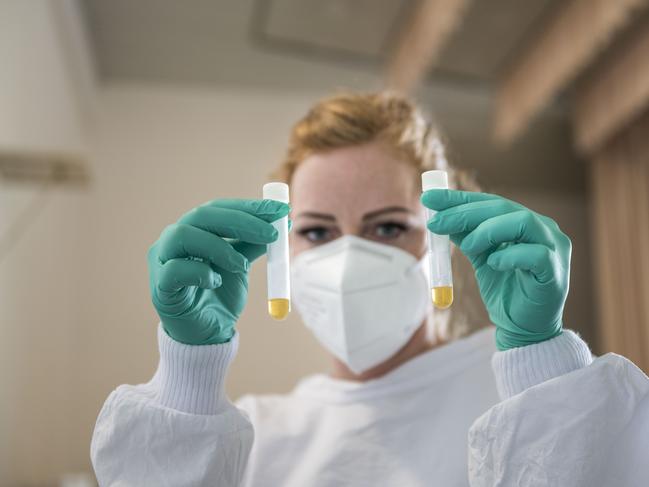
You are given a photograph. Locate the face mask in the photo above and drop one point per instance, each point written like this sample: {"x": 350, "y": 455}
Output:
{"x": 362, "y": 300}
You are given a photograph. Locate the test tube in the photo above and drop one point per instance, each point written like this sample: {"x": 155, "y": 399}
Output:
{"x": 439, "y": 248}
{"x": 277, "y": 267}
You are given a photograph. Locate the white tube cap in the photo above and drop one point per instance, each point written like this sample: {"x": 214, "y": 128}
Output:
{"x": 434, "y": 180}
{"x": 276, "y": 191}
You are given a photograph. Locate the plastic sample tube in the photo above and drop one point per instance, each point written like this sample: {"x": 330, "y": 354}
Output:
{"x": 277, "y": 268}
{"x": 439, "y": 248}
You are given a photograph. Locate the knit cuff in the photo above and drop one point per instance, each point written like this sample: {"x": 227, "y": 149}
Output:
{"x": 517, "y": 369}
{"x": 191, "y": 378}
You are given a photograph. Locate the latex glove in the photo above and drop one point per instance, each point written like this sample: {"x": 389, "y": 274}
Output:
{"x": 198, "y": 268}
{"x": 521, "y": 261}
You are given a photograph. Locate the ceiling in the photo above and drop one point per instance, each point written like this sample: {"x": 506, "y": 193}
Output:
{"x": 323, "y": 45}
{"x": 211, "y": 41}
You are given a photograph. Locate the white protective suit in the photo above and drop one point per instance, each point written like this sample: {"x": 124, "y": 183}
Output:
{"x": 564, "y": 420}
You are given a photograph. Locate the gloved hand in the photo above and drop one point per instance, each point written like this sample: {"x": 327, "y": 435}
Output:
{"x": 521, "y": 261}
{"x": 198, "y": 268}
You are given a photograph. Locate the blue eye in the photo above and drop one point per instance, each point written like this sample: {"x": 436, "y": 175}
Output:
{"x": 390, "y": 230}
{"x": 316, "y": 234}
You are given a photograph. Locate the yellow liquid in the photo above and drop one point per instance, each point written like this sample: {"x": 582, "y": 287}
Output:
{"x": 442, "y": 296}
{"x": 278, "y": 309}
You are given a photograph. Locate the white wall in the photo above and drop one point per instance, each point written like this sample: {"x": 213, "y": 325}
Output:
{"x": 39, "y": 108}
{"x": 40, "y": 113}
{"x": 39, "y": 316}
{"x": 77, "y": 320}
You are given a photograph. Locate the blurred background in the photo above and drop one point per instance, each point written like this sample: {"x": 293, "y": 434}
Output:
{"x": 117, "y": 116}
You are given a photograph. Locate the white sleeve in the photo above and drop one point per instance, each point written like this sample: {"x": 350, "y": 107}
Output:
{"x": 565, "y": 420}
{"x": 180, "y": 429}
{"x": 520, "y": 368}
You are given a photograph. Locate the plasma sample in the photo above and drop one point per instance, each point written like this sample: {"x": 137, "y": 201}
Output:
{"x": 279, "y": 308}
{"x": 442, "y": 296}
{"x": 439, "y": 248}
{"x": 277, "y": 254}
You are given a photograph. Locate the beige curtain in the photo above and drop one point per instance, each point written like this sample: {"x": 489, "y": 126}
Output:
{"x": 620, "y": 192}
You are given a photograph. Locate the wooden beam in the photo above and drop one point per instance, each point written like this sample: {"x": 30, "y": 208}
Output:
{"x": 572, "y": 39}
{"x": 614, "y": 96}
{"x": 420, "y": 43}
{"x": 620, "y": 198}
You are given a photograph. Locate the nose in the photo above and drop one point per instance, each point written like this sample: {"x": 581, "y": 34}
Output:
{"x": 350, "y": 227}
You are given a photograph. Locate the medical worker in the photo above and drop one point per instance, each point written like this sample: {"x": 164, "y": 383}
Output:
{"x": 521, "y": 404}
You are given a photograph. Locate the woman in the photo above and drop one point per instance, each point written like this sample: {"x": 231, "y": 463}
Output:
{"x": 398, "y": 405}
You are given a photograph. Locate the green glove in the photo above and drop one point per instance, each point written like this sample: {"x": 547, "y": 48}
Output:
{"x": 198, "y": 268}
{"x": 521, "y": 261}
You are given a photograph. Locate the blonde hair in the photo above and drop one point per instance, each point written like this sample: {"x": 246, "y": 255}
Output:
{"x": 349, "y": 119}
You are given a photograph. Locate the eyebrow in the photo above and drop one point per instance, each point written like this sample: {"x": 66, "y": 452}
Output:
{"x": 367, "y": 216}
{"x": 382, "y": 211}
{"x": 320, "y": 216}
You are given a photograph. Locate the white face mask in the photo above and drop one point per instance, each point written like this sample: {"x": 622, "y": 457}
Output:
{"x": 362, "y": 300}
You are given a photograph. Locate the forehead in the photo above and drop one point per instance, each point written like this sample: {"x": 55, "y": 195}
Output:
{"x": 358, "y": 178}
